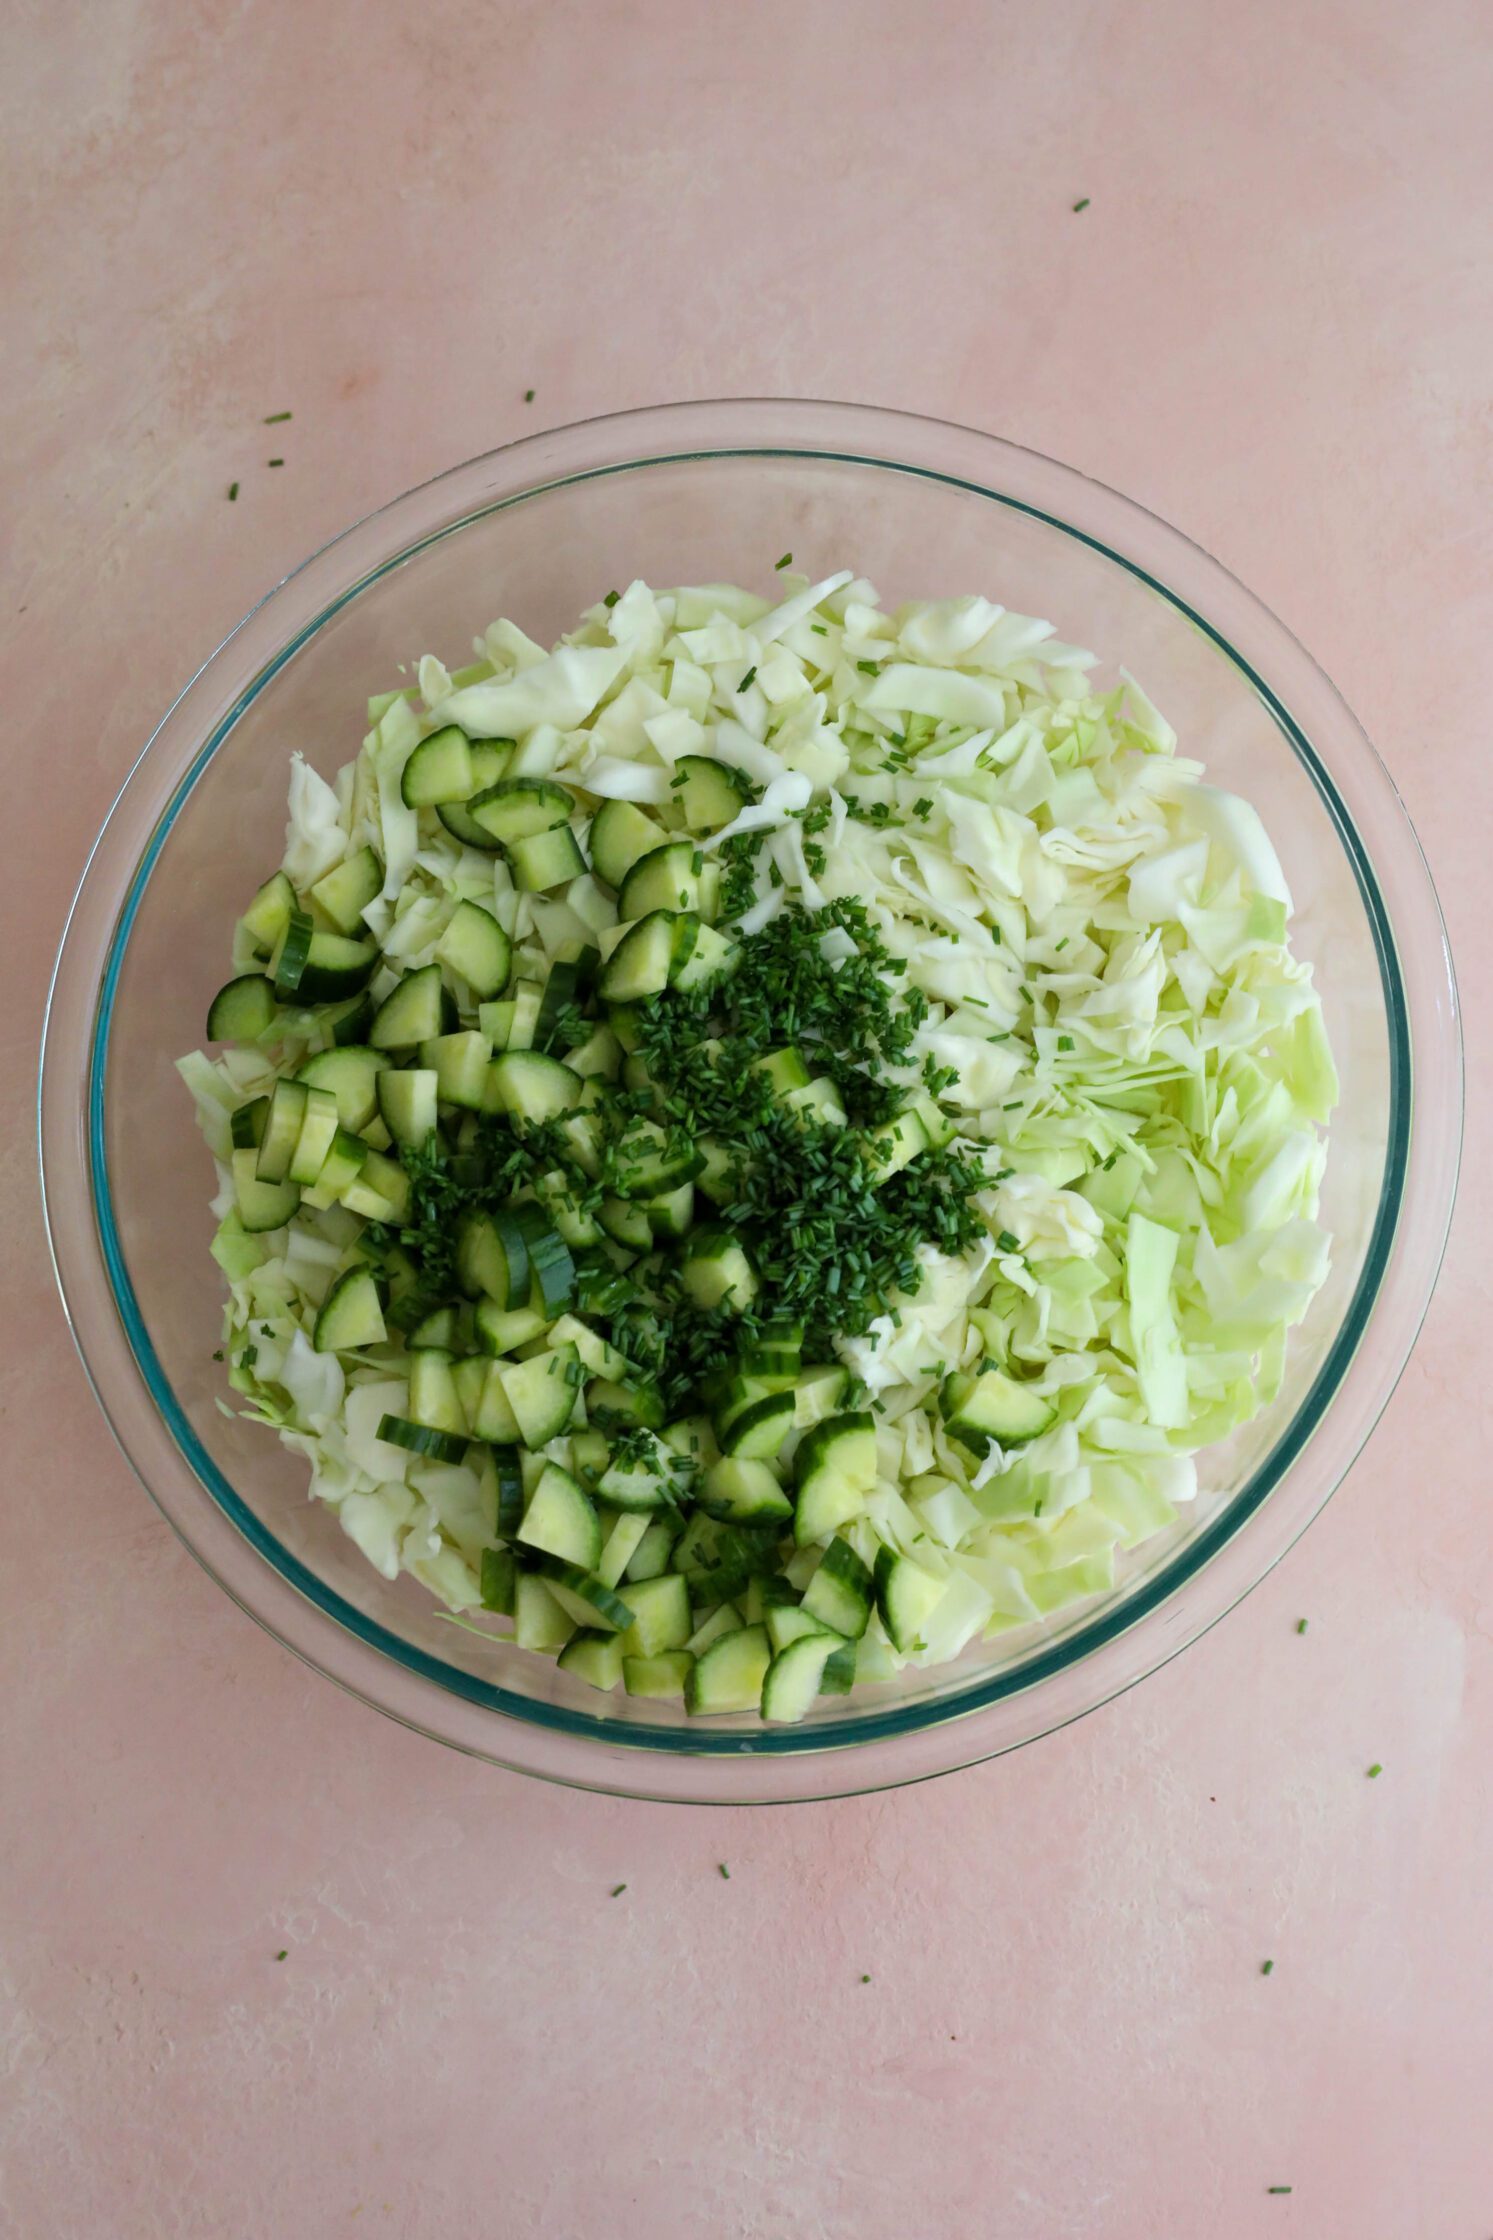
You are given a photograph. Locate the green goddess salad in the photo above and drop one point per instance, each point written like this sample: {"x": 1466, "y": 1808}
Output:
{"x": 755, "y": 1146}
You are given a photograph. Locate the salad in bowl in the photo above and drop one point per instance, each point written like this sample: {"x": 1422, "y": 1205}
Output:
{"x": 755, "y": 1146}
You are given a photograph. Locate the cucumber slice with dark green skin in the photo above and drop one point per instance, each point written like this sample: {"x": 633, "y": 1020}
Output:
{"x": 492, "y": 1259}
{"x": 550, "y": 1263}
{"x": 477, "y": 949}
{"x": 642, "y": 1486}
{"x": 755, "y": 1431}
{"x": 794, "y": 1678}
{"x": 730, "y": 1675}
{"x": 434, "y": 1400}
{"x": 497, "y": 1580}
{"x": 261, "y": 1205}
{"x": 407, "y": 1102}
{"x": 422, "y": 1439}
{"x": 288, "y": 958}
{"x": 838, "y": 1677}
{"x": 247, "y": 1124}
{"x": 716, "y": 1272}
{"x": 711, "y": 794}
{"x": 667, "y": 878}
{"x": 561, "y": 1520}
{"x": 990, "y": 1406}
{"x": 438, "y": 1332}
{"x": 318, "y": 1130}
{"x": 906, "y": 1596}
{"x": 350, "y": 1315}
{"x": 841, "y": 1592}
{"x": 592, "y": 1656}
{"x": 660, "y": 1615}
{"x": 564, "y": 991}
{"x": 460, "y": 1062}
{"x": 647, "y": 1160}
{"x": 620, "y": 834}
{"x": 588, "y": 1600}
{"x": 490, "y": 758}
{"x": 242, "y": 1010}
{"x": 742, "y": 1490}
{"x": 660, "y": 1679}
{"x": 542, "y": 1393}
{"x": 538, "y": 1620}
{"x": 540, "y": 861}
{"x": 335, "y": 968}
{"x": 282, "y": 1128}
{"x": 493, "y": 1417}
{"x": 268, "y": 913}
{"x": 517, "y": 808}
{"x": 339, "y": 1170}
{"x": 530, "y": 1086}
{"x": 345, "y": 891}
{"x": 615, "y": 1406}
{"x": 416, "y": 1011}
{"x": 508, "y": 1491}
{"x": 439, "y": 769}
{"x": 348, "y": 1021}
{"x": 701, "y": 955}
{"x": 352, "y": 1075}
{"x": 500, "y": 1331}
{"x": 639, "y": 965}
{"x": 835, "y": 1474}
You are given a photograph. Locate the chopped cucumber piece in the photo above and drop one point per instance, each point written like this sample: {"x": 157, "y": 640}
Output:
{"x": 667, "y": 878}
{"x": 407, "y": 1102}
{"x": 517, "y": 808}
{"x": 261, "y": 1205}
{"x": 835, "y": 1474}
{"x": 841, "y": 1592}
{"x": 350, "y": 1315}
{"x": 476, "y": 948}
{"x": 794, "y": 1678}
{"x": 592, "y": 1656}
{"x": 242, "y": 1010}
{"x": 730, "y": 1675}
{"x": 269, "y": 912}
{"x": 620, "y": 835}
{"x": 989, "y": 1405}
{"x": 712, "y": 793}
{"x": 344, "y": 892}
{"x": 561, "y": 1521}
{"x": 660, "y": 1615}
{"x": 638, "y": 966}
{"x": 662, "y": 1678}
{"x": 416, "y": 1011}
{"x": 906, "y": 1596}
{"x": 439, "y": 769}
{"x": 352, "y": 1075}
{"x": 542, "y": 1393}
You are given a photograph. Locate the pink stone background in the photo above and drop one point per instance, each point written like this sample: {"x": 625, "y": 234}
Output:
{"x": 1274, "y": 325}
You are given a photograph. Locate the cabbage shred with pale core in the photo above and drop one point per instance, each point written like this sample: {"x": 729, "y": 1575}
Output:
{"x": 1097, "y": 943}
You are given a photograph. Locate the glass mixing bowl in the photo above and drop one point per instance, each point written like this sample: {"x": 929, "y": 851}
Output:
{"x": 705, "y": 492}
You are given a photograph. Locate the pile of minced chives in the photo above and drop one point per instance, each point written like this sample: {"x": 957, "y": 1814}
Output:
{"x": 829, "y": 1244}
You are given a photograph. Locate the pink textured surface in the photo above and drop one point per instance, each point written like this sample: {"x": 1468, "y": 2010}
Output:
{"x": 1274, "y": 325}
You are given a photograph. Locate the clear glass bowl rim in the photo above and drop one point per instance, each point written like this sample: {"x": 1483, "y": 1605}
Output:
{"x": 1122, "y": 1642}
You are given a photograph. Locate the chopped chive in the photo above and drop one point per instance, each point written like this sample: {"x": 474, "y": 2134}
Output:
{"x": 869, "y": 668}
{"x": 620, "y": 1887}
{"x": 611, "y": 598}
{"x": 1065, "y": 1042}
{"x": 1059, "y": 946}
{"x": 1007, "y": 1242}
{"x": 865, "y": 1979}
{"x": 529, "y": 399}
{"x": 217, "y": 1353}
{"x": 233, "y": 489}
{"x": 820, "y": 629}
{"x": 1026, "y": 991}
{"x": 1301, "y": 1625}
{"x": 747, "y": 679}
{"x": 274, "y": 462}
{"x": 785, "y": 562}
{"x": 271, "y": 418}
{"x": 283, "y": 1955}
{"x": 1277, "y": 2189}
{"x": 1374, "y": 1771}
{"x": 1266, "y": 1966}
{"x": 1082, "y": 203}
{"x": 725, "y": 1871}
